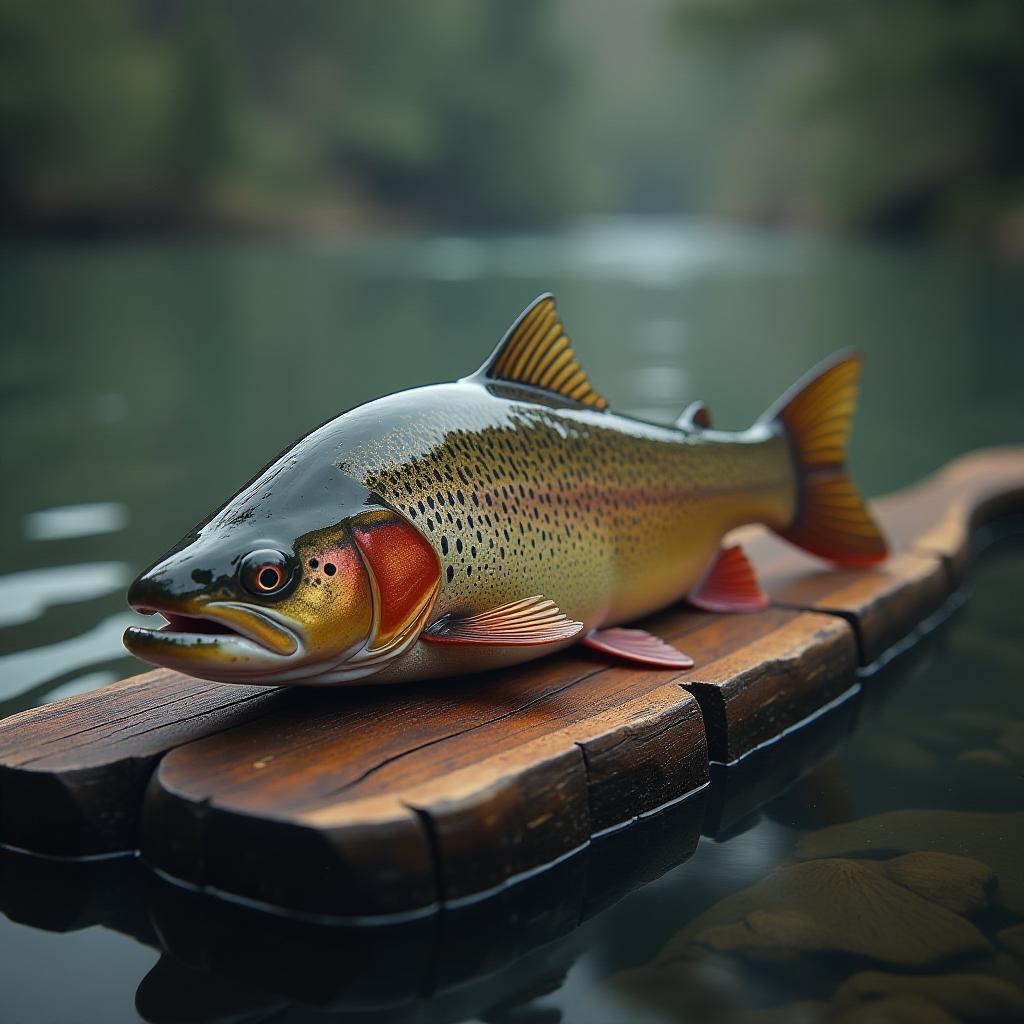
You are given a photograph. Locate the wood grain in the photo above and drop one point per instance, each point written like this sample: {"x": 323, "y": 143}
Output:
{"x": 72, "y": 773}
{"x": 929, "y": 528}
{"x": 371, "y": 801}
{"x": 940, "y": 515}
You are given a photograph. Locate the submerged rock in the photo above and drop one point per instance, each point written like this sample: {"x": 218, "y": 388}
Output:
{"x": 1011, "y": 742}
{"x": 973, "y": 724}
{"x": 805, "y": 1012}
{"x": 974, "y": 996}
{"x": 984, "y": 757}
{"x": 842, "y": 906}
{"x": 1013, "y": 939}
{"x": 903, "y": 1009}
{"x": 957, "y": 883}
{"x": 994, "y": 839}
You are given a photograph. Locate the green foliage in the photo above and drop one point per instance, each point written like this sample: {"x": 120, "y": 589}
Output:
{"x": 452, "y": 109}
{"x": 903, "y": 114}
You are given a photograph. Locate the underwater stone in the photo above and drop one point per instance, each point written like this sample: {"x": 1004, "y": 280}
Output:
{"x": 1013, "y": 939}
{"x": 974, "y": 996}
{"x": 983, "y": 757}
{"x": 902, "y": 1009}
{"x": 957, "y": 883}
{"x": 976, "y": 725}
{"x": 804, "y": 1012}
{"x": 993, "y": 839}
{"x": 832, "y": 906}
{"x": 906, "y": 756}
{"x": 1011, "y": 742}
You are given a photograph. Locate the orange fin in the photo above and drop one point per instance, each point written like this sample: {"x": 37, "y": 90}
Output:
{"x": 639, "y": 646}
{"x": 831, "y": 519}
{"x": 526, "y": 623}
{"x": 536, "y": 352}
{"x": 729, "y": 585}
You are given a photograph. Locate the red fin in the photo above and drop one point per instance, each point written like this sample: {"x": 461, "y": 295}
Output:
{"x": 637, "y": 645}
{"x": 696, "y": 414}
{"x": 526, "y": 623}
{"x": 729, "y": 585}
{"x": 831, "y": 518}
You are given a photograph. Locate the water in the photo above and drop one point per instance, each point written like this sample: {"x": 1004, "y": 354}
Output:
{"x": 143, "y": 382}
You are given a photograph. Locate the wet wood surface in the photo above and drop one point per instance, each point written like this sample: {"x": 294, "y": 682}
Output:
{"x": 370, "y": 801}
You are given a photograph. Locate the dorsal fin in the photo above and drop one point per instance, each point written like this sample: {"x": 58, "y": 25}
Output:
{"x": 696, "y": 414}
{"x": 536, "y": 351}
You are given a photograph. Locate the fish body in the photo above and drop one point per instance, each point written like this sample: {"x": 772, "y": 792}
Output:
{"x": 471, "y": 525}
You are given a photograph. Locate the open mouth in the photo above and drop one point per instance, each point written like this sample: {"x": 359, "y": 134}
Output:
{"x": 226, "y": 630}
{"x": 198, "y": 625}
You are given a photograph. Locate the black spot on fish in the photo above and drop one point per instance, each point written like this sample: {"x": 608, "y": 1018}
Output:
{"x": 451, "y": 573}
{"x": 202, "y": 576}
{"x": 330, "y": 568}
{"x": 313, "y": 563}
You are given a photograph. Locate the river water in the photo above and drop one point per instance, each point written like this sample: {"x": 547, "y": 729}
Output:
{"x": 145, "y": 381}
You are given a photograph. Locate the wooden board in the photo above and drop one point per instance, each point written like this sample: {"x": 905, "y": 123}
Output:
{"x": 929, "y": 528}
{"x": 389, "y": 801}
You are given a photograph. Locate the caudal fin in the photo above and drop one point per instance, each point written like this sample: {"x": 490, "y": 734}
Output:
{"x": 831, "y": 519}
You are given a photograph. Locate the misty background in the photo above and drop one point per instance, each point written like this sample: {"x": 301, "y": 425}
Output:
{"x": 882, "y": 116}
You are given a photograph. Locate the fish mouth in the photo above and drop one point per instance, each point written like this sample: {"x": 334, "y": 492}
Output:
{"x": 220, "y": 639}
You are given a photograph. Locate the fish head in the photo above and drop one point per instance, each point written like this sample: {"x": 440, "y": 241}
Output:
{"x": 263, "y": 599}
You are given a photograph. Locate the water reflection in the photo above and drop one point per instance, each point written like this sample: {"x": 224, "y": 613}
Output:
{"x": 80, "y": 684}
{"x": 76, "y": 520}
{"x": 24, "y": 596}
{"x": 23, "y": 671}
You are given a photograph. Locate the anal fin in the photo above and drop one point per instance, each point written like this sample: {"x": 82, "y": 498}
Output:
{"x": 729, "y": 585}
{"x": 527, "y": 623}
{"x": 639, "y": 646}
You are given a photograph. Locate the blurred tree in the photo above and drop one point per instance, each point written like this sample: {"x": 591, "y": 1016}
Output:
{"x": 202, "y": 130}
{"x": 80, "y": 96}
{"x": 902, "y": 115}
{"x": 453, "y": 110}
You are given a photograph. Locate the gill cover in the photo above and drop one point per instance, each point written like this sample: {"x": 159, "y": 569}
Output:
{"x": 405, "y": 575}
{"x": 374, "y": 580}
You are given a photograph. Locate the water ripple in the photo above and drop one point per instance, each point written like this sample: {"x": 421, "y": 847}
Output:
{"x": 24, "y": 596}
{"x": 25, "y": 670}
{"x": 76, "y": 521}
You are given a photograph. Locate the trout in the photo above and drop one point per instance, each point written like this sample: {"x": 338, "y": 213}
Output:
{"x": 471, "y": 525}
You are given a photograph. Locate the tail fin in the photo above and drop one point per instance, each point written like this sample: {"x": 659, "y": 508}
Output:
{"x": 831, "y": 519}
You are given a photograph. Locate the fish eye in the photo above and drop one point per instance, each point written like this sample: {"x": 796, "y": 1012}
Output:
{"x": 265, "y": 573}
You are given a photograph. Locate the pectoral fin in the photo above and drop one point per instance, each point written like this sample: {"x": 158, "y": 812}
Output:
{"x": 527, "y": 623}
{"x": 639, "y": 646}
{"x": 729, "y": 585}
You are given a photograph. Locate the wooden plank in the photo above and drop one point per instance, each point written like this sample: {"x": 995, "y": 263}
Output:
{"x": 940, "y": 515}
{"x": 490, "y": 782}
{"x": 929, "y": 527}
{"x": 72, "y": 773}
{"x": 436, "y": 764}
{"x": 882, "y": 603}
{"x": 389, "y": 800}
{"x": 764, "y": 681}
